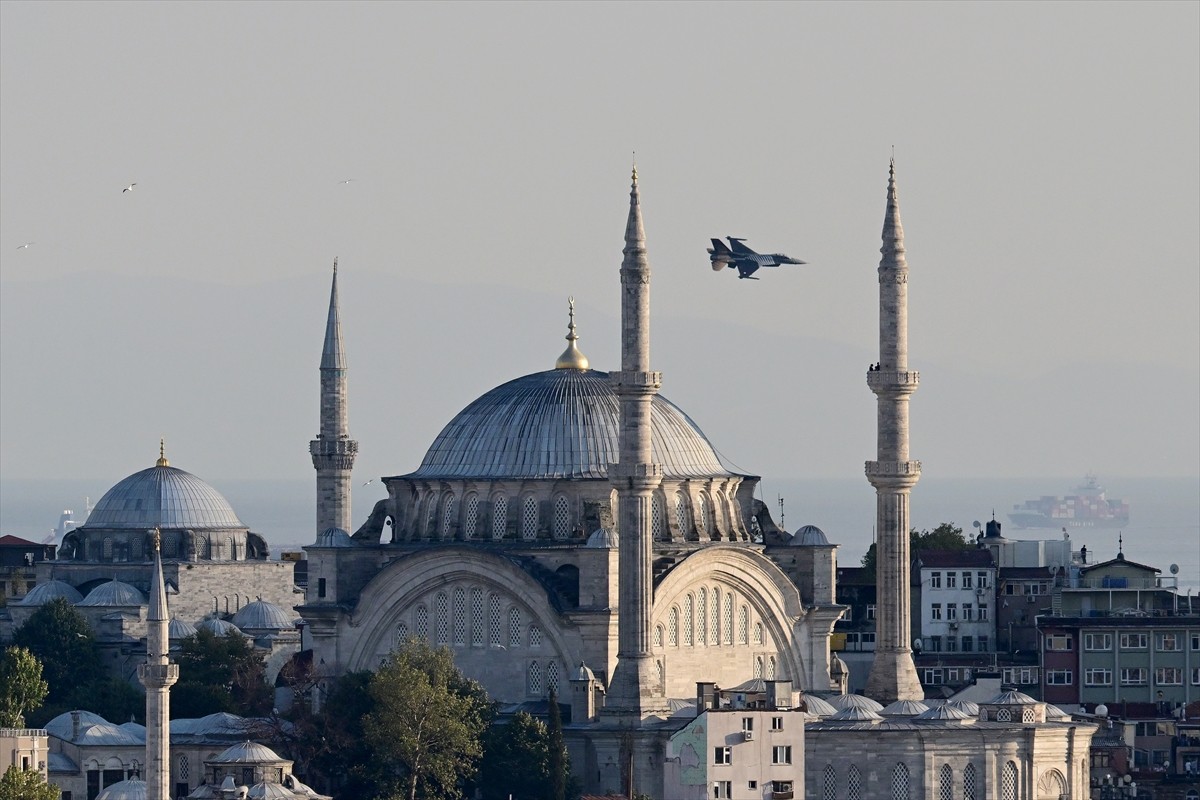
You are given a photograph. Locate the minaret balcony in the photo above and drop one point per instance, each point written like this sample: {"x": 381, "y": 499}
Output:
{"x": 883, "y": 381}
{"x": 158, "y": 675}
{"x": 633, "y": 382}
{"x": 893, "y": 474}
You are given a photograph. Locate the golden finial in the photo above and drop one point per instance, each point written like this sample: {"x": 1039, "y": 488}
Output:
{"x": 156, "y": 539}
{"x": 571, "y": 357}
{"x": 162, "y": 454}
{"x": 635, "y": 166}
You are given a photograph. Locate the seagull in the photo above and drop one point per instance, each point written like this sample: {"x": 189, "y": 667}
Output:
{"x": 368, "y": 483}
{"x": 128, "y": 188}
{"x": 27, "y": 245}
{"x": 348, "y": 180}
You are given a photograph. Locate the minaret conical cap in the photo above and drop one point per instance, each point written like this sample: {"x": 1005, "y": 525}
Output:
{"x": 893, "y": 230}
{"x": 635, "y": 234}
{"x": 333, "y": 355}
{"x": 157, "y": 611}
{"x": 571, "y": 358}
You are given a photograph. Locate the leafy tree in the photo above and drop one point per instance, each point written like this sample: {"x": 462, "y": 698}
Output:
{"x": 560, "y": 764}
{"x": 26, "y": 784}
{"x": 60, "y": 637}
{"x": 427, "y": 721}
{"x": 21, "y": 686}
{"x": 946, "y": 536}
{"x": 220, "y": 673}
{"x": 516, "y": 760}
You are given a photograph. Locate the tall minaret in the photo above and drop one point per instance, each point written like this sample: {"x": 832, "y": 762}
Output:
{"x": 635, "y": 478}
{"x": 157, "y": 675}
{"x": 893, "y": 675}
{"x": 333, "y": 450}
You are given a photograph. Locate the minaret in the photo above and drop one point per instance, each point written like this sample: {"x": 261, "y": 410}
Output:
{"x": 157, "y": 675}
{"x": 635, "y": 478}
{"x": 333, "y": 450}
{"x": 893, "y": 675}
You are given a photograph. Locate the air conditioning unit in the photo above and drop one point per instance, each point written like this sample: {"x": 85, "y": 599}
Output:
{"x": 953, "y": 626}
{"x": 981, "y": 591}
{"x": 748, "y": 735}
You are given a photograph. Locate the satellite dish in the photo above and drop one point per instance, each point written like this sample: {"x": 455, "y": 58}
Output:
{"x": 976, "y": 524}
{"x": 1174, "y": 569}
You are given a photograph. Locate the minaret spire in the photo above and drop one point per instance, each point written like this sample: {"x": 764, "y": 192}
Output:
{"x": 158, "y": 674}
{"x": 333, "y": 450}
{"x": 893, "y": 674}
{"x": 635, "y": 691}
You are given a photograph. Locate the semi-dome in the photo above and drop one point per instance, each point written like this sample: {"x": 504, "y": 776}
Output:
{"x": 163, "y": 497}
{"x": 562, "y": 423}
{"x": 604, "y": 539}
{"x": 261, "y": 615}
{"x": 45, "y": 592}
{"x": 808, "y": 536}
{"x": 113, "y": 593}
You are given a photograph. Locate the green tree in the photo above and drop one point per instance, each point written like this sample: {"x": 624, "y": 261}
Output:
{"x": 26, "y": 784}
{"x": 427, "y": 721}
{"x": 21, "y": 686}
{"x": 516, "y": 760}
{"x": 560, "y": 764}
{"x": 220, "y": 673}
{"x": 60, "y": 637}
{"x": 946, "y": 536}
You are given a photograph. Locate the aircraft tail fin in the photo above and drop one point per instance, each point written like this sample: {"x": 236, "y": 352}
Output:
{"x": 719, "y": 248}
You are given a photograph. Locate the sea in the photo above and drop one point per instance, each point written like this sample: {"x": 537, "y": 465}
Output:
{"x": 1163, "y": 529}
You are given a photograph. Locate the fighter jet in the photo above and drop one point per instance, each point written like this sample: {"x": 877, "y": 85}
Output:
{"x": 743, "y": 258}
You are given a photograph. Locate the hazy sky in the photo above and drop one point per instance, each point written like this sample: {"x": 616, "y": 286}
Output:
{"x": 1049, "y": 173}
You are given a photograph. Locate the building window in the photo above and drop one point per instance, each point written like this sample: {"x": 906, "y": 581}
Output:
{"x": 562, "y": 517}
{"x": 781, "y": 754}
{"x": 495, "y": 632}
{"x": 1097, "y": 641}
{"x": 422, "y": 622}
{"x": 535, "y": 679}
{"x": 854, "y": 784}
{"x": 722, "y": 790}
{"x": 981, "y": 580}
{"x": 1059, "y": 677}
{"x": 656, "y": 517}
{"x": 687, "y": 620}
{"x": 1133, "y": 641}
{"x": 499, "y": 516}
{"x": 934, "y": 677}
{"x": 702, "y": 617}
{"x": 471, "y": 517}
{"x": 535, "y": 636}
{"x": 714, "y": 627}
{"x": 552, "y": 677}
{"x": 401, "y": 634}
{"x": 771, "y": 667}
{"x": 748, "y": 724}
{"x": 1195, "y": 676}
{"x": 1059, "y": 642}
{"x": 935, "y": 580}
{"x": 477, "y": 621}
{"x": 723, "y": 755}
{"x": 935, "y": 644}
{"x": 447, "y": 516}
{"x": 951, "y": 644}
{"x": 442, "y": 618}
{"x": 900, "y": 782}
{"x": 706, "y": 515}
{"x": 514, "y": 627}
{"x": 951, "y": 580}
{"x": 968, "y": 611}
{"x": 529, "y": 518}
{"x": 728, "y": 618}
{"x": 758, "y": 633}
{"x": 968, "y": 644}
{"x": 829, "y": 783}
{"x": 1168, "y": 676}
{"x": 969, "y": 782}
{"x": 983, "y": 644}
{"x": 870, "y": 611}
{"x": 673, "y": 626}
{"x": 1008, "y": 782}
{"x": 185, "y": 767}
{"x": 320, "y": 587}
{"x": 1133, "y": 676}
{"x": 966, "y": 580}
{"x": 1169, "y": 642}
{"x": 681, "y": 515}
{"x": 776, "y": 723}
{"x": 658, "y": 635}
{"x": 935, "y": 611}
{"x": 945, "y": 774}
{"x": 952, "y": 612}
{"x": 744, "y": 626}
{"x": 460, "y": 616}
{"x": 1097, "y": 677}
{"x": 983, "y": 613}
{"x": 758, "y": 666}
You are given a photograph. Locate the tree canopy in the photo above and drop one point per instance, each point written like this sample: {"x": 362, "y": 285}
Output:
{"x": 21, "y": 686}
{"x": 946, "y": 536}
{"x": 60, "y": 637}
{"x": 220, "y": 673}
{"x": 26, "y": 784}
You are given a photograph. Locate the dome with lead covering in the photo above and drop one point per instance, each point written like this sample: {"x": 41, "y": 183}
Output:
{"x": 261, "y": 615}
{"x": 248, "y": 753}
{"x": 808, "y": 536}
{"x": 180, "y": 629}
{"x": 218, "y": 627}
{"x": 163, "y": 497}
{"x": 114, "y": 593}
{"x": 131, "y": 789}
{"x": 45, "y": 592}
{"x": 562, "y": 423}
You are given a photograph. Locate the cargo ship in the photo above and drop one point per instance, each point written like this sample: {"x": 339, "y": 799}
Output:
{"x": 1087, "y": 508}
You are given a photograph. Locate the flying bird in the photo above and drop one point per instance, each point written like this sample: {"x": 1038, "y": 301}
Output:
{"x": 348, "y": 180}
{"x": 368, "y": 483}
{"x": 128, "y": 188}
{"x": 27, "y": 245}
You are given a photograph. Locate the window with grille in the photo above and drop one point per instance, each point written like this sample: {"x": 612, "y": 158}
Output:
{"x": 681, "y": 514}
{"x": 422, "y": 622}
{"x": 656, "y": 517}
{"x": 495, "y": 632}
{"x": 499, "y": 517}
{"x": 702, "y": 616}
{"x": 552, "y": 677}
{"x": 514, "y": 627}
{"x": 900, "y": 782}
{"x": 184, "y": 768}
{"x": 829, "y": 783}
{"x": 1008, "y": 782}
{"x": 660, "y": 672}
{"x": 535, "y": 636}
{"x": 854, "y": 784}
{"x": 714, "y": 627}
{"x": 470, "y": 516}
{"x": 447, "y": 516}
{"x": 946, "y": 777}
{"x": 673, "y": 626}
{"x": 744, "y": 626}
{"x": 969, "y": 791}
{"x": 562, "y": 517}
{"x": 108, "y": 549}
{"x": 442, "y": 618}
{"x": 529, "y": 518}
{"x": 687, "y": 621}
{"x": 460, "y": 616}
{"x": 401, "y": 633}
{"x": 535, "y": 679}
{"x": 658, "y": 635}
{"x": 771, "y": 668}
{"x": 706, "y": 514}
{"x": 758, "y": 666}
{"x": 728, "y": 614}
{"x": 430, "y": 516}
{"x": 1003, "y": 715}
{"x": 758, "y": 633}
{"x": 477, "y": 621}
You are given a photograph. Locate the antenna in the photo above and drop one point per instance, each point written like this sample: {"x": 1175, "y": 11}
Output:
{"x": 781, "y": 514}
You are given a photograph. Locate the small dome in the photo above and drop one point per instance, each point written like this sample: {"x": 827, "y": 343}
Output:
{"x": 45, "y": 592}
{"x": 854, "y": 714}
{"x": 178, "y": 629}
{"x": 62, "y": 725}
{"x": 163, "y": 497}
{"x": 105, "y": 733}
{"x": 132, "y": 789}
{"x": 965, "y": 705}
{"x": 1012, "y": 698}
{"x": 855, "y": 701}
{"x": 334, "y": 537}
{"x": 837, "y": 667}
{"x": 221, "y": 723}
{"x": 945, "y": 712}
{"x": 270, "y": 791}
{"x": 261, "y": 615}
{"x": 113, "y": 593}
{"x": 584, "y": 673}
{"x": 218, "y": 626}
{"x": 904, "y": 708}
{"x": 1055, "y": 713}
{"x": 604, "y": 539}
{"x": 248, "y": 753}
{"x": 808, "y": 536}
{"x": 818, "y": 706}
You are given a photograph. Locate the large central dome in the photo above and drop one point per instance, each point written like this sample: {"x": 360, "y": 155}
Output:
{"x": 163, "y": 497}
{"x": 562, "y": 423}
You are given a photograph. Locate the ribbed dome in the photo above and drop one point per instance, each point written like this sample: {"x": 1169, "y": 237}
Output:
{"x": 562, "y": 423}
{"x": 247, "y": 753}
{"x": 334, "y": 537}
{"x": 163, "y": 497}
{"x": 808, "y": 536}
{"x": 180, "y": 629}
{"x": 131, "y": 789}
{"x": 45, "y": 592}
{"x": 218, "y": 626}
{"x": 113, "y": 593}
{"x": 904, "y": 708}
{"x": 818, "y": 706}
{"x": 261, "y": 615}
{"x": 855, "y": 701}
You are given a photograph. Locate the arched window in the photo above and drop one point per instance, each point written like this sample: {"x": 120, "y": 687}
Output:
{"x": 681, "y": 516}
{"x": 758, "y": 666}
{"x": 562, "y": 517}
{"x": 185, "y": 767}
{"x": 470, "y": 516}
{"x": 495, "y": 632}
{"x": 535, "y": 636}
{"x": 477, "y": 621}
{"x": 687, "y": 621}
{"x": 442, "y": 618}
{"x": 552, "y": 677}
{"x": 1008, "y": 782}
{"x": 529, "y": 518}
{"x": 829, "y": 783}
{"x": 728, "y": 618}
{"x": 514, "y": 627}
{"x": 900, "y": 782}
{"x": 706, "y": 516}
{"x": 702, "y": 617}
{"x": 744, "y": 625}
{"x": 673, "y": 626}
{"x": 430, "y": 516}
{"x": 661, "y": 673}
{"x": 499, "y": 516}
{"x": 969, "y": 780}
{"x": 758, "y": 633}
{"x": 447, "y": 516}
{"x": 945, "y": 783}
{"x": 771, "y": 668}
{"x": 401, "y": 633}
{"x": 422, "y": 622}
{"x": 658, "y": 635}
{"x": 535, "y": 679}
{"x": 108, "y": 548}
{"x": 656, "y": 517}
{"x": 460, "y": 616}
{"x": 714, "y": 623}
{"x": 854, "y": 784}
{"x": 1192, "y": 794}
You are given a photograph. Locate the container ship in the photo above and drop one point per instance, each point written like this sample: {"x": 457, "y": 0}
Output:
{"x": 1087, "y": 508}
